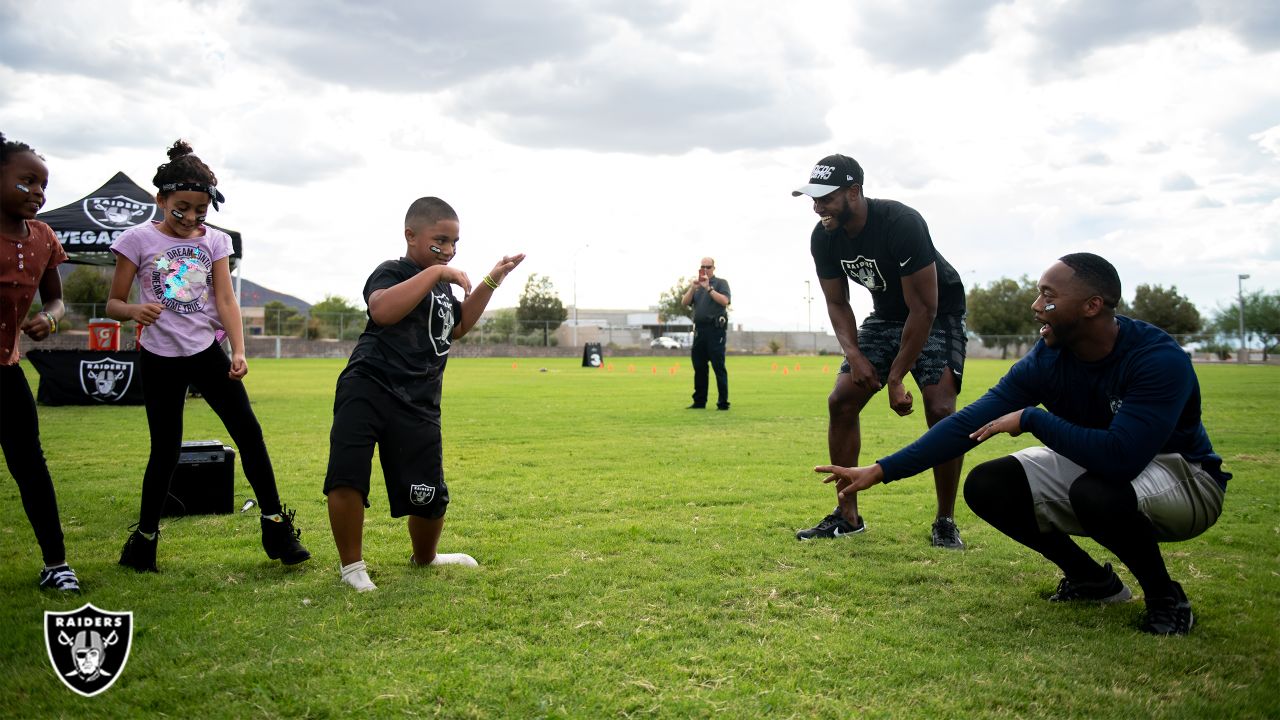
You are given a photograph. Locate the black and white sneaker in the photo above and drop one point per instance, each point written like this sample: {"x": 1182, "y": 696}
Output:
{"x": 1169, "y": 615}
{"x": 139, "y": 553}
{"x": 61, "y": 578}
{"x": 281, "y": 540}
{"x": 1110, "y": 590}
{"x": 946, "y": 534}
{"x": 832, "y": 526}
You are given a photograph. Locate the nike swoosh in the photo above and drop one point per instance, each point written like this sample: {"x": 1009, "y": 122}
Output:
{"x": 904, "y": 262}
{"x": 837, "y": 533}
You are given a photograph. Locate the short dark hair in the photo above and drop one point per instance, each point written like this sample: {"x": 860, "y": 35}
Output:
{"x": 1096, "y": 273}
{"x": 183, "y": 167}
{"x": 9, "y": 148}
{"x": 428, "y": 211}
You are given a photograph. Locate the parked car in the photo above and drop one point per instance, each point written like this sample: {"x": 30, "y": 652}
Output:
{"x": 665, "y": 342}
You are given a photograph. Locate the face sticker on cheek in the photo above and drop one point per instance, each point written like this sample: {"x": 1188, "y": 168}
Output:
{"x": 23, "y": 188}
{"x": 177, "y": 214}
{"x": 200, "y": 218}
{"x": 436, "y": 250}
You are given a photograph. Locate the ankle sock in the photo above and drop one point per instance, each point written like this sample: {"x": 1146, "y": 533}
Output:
{"x": 357, "y": 576}
{"x": 272, "y": 518}
{"x": 454, "y": 559}
{"x": 150, "y": 535}
{"x": 59, "y": 566}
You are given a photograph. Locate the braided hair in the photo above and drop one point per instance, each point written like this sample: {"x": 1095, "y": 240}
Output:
{"x": 10, "y": 148}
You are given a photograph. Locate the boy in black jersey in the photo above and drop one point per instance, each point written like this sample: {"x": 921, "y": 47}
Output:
{"x": 389, "y": 393}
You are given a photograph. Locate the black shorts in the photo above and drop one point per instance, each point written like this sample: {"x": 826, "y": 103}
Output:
{"x": 879, "y": 341}
{"x": 409, "y": 448}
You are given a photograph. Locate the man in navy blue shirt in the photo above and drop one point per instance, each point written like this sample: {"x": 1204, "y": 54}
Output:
{"x": 1126, "y": 460}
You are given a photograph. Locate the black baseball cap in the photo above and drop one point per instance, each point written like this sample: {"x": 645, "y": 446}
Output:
{"x": 830, "y": 174}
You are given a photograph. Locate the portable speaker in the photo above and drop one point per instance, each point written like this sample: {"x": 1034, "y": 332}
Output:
{"x": 204, "y": 481}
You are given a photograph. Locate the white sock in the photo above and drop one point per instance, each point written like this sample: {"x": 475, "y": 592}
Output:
{"x": 454, "y": 559}
{"x": 272, "y": 518}
{"x": 357, "y": 577}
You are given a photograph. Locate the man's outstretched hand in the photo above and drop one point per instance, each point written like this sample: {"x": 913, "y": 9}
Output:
{"x": 850, "y": 480}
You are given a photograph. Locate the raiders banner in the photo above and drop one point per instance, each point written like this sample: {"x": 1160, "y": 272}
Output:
{"x": 74, "y": 377}
{"x": 88, "y": 647}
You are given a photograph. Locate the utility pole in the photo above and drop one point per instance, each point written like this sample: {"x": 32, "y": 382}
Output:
{"x": 1244, "y": 348}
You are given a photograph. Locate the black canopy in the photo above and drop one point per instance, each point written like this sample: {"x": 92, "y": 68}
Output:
{"x": 87, "y": 227}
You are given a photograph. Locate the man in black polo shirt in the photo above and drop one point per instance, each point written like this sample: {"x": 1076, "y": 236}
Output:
{"x": 709, "y": 296}
{"x": 916, "y": 326}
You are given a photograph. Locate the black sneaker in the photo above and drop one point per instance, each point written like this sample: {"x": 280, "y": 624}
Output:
{"x": 61, "y": 578}
{"x": 1110, "y": 590}
{"x": 139, "y": 553}
{"x": 280, "y": 539}
{"x": 946, "y": 534}
{"x": 696, "y": 406}
{"x": 1169, "y": 615}
{"x": 832, "y": 526}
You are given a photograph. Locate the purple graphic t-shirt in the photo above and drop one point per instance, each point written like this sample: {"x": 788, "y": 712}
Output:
{"x": 178, "y": 274}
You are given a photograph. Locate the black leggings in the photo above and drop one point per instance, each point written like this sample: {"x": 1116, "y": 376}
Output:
{"x": 164, "y": 390}
{"x": 998, "y": 492}
{"x": 20, "y": 438}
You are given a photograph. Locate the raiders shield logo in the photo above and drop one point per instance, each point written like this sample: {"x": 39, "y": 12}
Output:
{"x": 88, "y": 647}
{"x": 105, "y": 380}
{"x": 865, "y": 272}
{"x": 117, "y": 213}
{"x": 421, "y": 494}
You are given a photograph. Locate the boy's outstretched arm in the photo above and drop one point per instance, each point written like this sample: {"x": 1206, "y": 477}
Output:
{"x": 475, "y": 302}
{"x": 388, "y": 306}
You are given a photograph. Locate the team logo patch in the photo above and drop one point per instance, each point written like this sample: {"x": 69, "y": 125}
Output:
{"x": 421, "y": 494}
{"x": 105, "y": 380}
{"x": 865, "y": 272}
{"x": 1115, "y": 403}
{"x": 88, "y": 647}
{"x": 442, "y": 322}
{"x": 117, "y": 213}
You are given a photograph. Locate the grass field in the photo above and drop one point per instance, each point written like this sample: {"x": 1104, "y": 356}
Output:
{"x": 637, "y": 561}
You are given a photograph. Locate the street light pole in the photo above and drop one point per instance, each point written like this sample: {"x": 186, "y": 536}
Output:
{"x": 1244, "y": 349}
{"x": 574, "y": 331}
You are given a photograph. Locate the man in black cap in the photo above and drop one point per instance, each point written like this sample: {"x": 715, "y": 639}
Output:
{"x": 916, "y": 326}
{"x": 709, "y": 296}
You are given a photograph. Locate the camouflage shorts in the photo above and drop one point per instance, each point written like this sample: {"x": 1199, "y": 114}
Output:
{"x": 878, "y": 339}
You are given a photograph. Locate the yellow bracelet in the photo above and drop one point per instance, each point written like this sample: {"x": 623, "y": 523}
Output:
{"x": 53, "y": 324}
{"x": 491, "y": 282}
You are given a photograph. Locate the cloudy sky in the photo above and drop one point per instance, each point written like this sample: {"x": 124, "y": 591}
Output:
{"x": 618, "y": 142}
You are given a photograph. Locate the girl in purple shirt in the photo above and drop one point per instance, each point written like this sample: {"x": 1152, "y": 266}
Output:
{"x": 183, "y": 276}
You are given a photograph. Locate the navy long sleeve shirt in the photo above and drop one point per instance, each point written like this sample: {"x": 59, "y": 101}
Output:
{"x": 1111, "y": 417}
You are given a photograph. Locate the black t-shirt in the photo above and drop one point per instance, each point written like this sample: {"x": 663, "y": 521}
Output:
{"x": 706, "y": 310}
{"x": 407, "y": 358}
{"x": 894, "y": 243}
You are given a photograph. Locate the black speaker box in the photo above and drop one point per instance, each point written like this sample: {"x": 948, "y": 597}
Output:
{"x": 204, "y": 481}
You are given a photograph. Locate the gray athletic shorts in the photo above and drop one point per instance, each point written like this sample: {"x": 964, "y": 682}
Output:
{"x": 879, "y": 341}
{"x": 1180, "y": 498}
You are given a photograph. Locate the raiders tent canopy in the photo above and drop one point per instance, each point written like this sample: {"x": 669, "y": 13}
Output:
{"x": 87, "y": 226}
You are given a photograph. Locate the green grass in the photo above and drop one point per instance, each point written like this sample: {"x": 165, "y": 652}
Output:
{"x": 637, "y": 561}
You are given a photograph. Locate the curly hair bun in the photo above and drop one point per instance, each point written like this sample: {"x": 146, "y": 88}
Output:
{"x": 180, "y": 149}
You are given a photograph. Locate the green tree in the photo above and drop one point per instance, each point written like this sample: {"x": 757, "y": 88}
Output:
{"x": 337, "y": 317}
{"x": 499, "y": 327}
{"x": 669, "y": 305}
{"x": 1000, "y": 313}
{"x": 281, "y": 319}
{"x": 1165, "y": 309}
{"x": 87, "y": 286}
{"x": 1261, "y": 320}
{"x": 540, "y": 307}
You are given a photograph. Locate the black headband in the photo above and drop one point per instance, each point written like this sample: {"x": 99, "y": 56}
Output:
{"x": 212, "y": 191}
